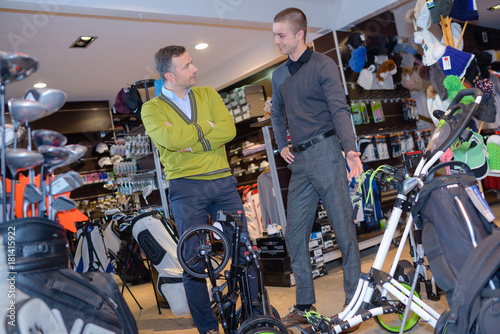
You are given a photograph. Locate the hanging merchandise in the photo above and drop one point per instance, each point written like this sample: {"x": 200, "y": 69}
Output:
{"x": 363, "y": 110}
{"x": 395, "y": 140}
{"x": 358, "y": 58}
{"x": 473, "y": 153}
{"x": 439, "y": 8}
{"x": 382, "y": 148}
{"x": 356, "y": 116}
{"x": 464, "y": 10}
{"x": 418, "y": 137}
{"x": 410, "y": 111}
{"x": 384, "y": 74}
{"x": 455, "y": 62}
{"x": 365, "y": 78}
{"x": 377, "y": 111}
{"x": 369, "y": 151}
{"x": 432, "y": 49}
{"x": 407, "y": 143}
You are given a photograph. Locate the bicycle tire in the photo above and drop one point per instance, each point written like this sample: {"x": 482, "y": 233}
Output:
{"x": 266, "y": 323}
{"x": 411, "y": 321}
{"x": 264, "y": 330}
{"x": 204, "y": 232}
{"x": 275, "y": 313}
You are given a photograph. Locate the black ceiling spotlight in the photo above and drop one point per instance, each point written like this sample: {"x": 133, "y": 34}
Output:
{"x": 496, "y": 7}
{"x": 83, "y": 42}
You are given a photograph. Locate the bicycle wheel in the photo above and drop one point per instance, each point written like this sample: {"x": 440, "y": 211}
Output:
{"x": 391, "y": 322}
{"x": 262, "y": 324}
{"x": 201, "y": 237}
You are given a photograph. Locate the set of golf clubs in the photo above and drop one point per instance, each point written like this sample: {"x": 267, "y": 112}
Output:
{"x": 52, "y": 151}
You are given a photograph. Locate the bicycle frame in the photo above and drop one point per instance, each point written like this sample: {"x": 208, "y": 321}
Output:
{"x": 237, "y": 281}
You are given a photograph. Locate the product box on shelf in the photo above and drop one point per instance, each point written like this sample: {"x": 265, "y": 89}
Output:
{"x": 329, "y": 240}
{"x": 275, "y": 265}
{"x": 272, "y": 247}
{"x": 317, "y": 257}
{"x": 322, "y": 225}
{"x": 316, "y": 240}
{"x": 319, "y": 271}
{"x": 254, "y": 95}
{"x": 279, "y": 279}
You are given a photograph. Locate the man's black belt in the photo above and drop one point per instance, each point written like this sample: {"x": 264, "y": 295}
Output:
{"x": 315, "y": 140}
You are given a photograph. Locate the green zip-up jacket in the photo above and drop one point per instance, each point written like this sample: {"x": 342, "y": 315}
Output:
{"x": 207, "y": 159}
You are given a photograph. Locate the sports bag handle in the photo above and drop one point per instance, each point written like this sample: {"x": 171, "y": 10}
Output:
{"x": 451, "y": 163}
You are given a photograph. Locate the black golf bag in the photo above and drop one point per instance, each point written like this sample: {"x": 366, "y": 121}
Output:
{"x": 36, "y": 264}
{"x": 158, "y": 238}
{"x": 125, "y": 254}
{"x": 455, "y": 221}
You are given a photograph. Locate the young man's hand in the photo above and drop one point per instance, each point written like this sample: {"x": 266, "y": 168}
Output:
{"x": 287, "y": 154}
{"x": 354, "y": 163}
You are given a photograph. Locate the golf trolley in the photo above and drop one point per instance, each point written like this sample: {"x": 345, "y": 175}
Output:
{"x": 379, "y": 293}
{"x": 233, "y": 301}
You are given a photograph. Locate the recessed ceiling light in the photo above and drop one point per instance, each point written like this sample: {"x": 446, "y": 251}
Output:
{"x": 494, "y": 7}
{"x": 83, "y": 42}
{"x": 40, "y": 85}
{"x": 201, "y": 46}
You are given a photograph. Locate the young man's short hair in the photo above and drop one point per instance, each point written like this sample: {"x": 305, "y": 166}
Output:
{"x": 163, "y": 58}
{"x": 296, "y": 17}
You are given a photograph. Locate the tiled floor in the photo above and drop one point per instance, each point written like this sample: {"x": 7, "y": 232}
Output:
{"x": 329, "y": 295}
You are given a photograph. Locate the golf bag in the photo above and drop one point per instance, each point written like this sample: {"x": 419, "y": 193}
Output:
{"x": 158, "y": 238}
{"x": 475, "y": 305}
{"x": 37, "y": 260}
{"x": 454, "y": 219}
{"x": 91, "y": 253}
{"x": 124, "y": 254}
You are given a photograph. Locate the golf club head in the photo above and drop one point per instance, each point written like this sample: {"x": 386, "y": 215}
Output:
{"x": 22, "y": 110}
{"x": 49, "y": 138}
{"x": 20, "y": 159}
{"x": 62, "y": 203}
{"x": 31, "y": 195}
{"x": 76, "y": 151}
{"x": 16, "y": 66}
{"x": 53, "y": 155}
{"x": 62, "y": 184}
{"x": 77, "y": 178}
{"x": 50, "y": 98}
{"x": 147, "y": 191}
{"x": 9, "y": 135}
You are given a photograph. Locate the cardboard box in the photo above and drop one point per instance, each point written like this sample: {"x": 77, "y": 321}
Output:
{"x": 317, "y": 257}
{"x": 272, "y": 247}
{"x": 316, "y": 240}
{"x": 319, "y": 271}
{"x": 322, "y": 225}
{"x": 275, "y": 265}
{"x": 254, "y": 95}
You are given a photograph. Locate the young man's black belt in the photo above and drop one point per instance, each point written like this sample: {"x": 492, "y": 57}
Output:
{"x": 315, "y": 140}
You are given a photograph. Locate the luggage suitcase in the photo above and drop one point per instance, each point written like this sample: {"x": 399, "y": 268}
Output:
{"x": 37, "y": 259}
{"x": 158, "y": 238}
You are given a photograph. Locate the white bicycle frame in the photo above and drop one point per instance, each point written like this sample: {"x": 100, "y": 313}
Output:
{"x": 364, "y": 292}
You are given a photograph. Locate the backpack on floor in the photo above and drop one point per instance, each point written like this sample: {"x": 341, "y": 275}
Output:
{"x": 454, "y": 219}
{"x": 158, "y": 238}
{"x": 82, "y": 303}
{"x": 475, "y": 305}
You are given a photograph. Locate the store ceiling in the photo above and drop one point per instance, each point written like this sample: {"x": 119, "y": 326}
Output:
{"x": 129, "y": 33}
